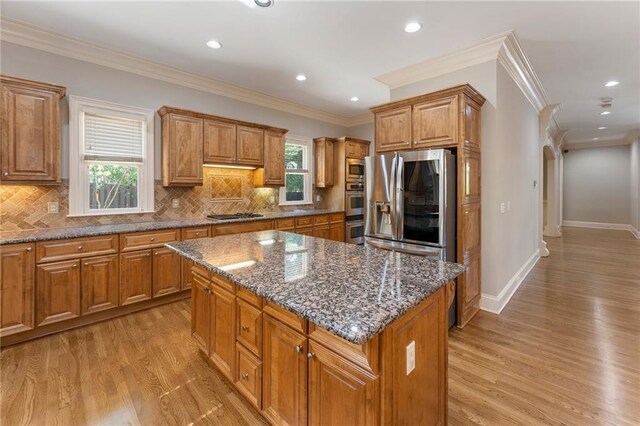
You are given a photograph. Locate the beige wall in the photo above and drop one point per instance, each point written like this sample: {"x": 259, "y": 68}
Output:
{"x": 635, "y": 184}
{"x": 597, "y": 185}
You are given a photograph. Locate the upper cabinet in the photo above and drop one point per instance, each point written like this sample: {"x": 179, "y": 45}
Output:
{"x": 324, "y": 162}
{"x": 393, "y": 129}
{"x": 435, "y": 123}
{"x": 355, "y": 148}
{"x": 30, "y": 131}
{"x": 191, "y": 139}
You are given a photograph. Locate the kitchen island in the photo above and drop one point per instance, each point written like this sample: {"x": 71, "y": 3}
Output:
{"x": 313, "y": 331}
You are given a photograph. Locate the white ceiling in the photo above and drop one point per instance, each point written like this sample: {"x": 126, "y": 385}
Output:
{"x": 574, "y": 47}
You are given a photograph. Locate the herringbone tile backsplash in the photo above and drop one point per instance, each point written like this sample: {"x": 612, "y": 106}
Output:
{"x": 224, "y": 191}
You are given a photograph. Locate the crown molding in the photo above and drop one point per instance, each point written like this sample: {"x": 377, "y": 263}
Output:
{"x": 503, "y": 48}
{"x": 27, "y": 35}
{"x": 595, "y": 144}
{"x": 632, "y": 136}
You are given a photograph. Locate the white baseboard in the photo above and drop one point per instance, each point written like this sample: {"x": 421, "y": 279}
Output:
{"x": 495, "y": 304}
{"x": 599, "y": 225}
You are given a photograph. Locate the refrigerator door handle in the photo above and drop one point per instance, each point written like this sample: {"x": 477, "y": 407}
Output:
{"x": 399, "y": 199}
{"x": 392, "y": 193}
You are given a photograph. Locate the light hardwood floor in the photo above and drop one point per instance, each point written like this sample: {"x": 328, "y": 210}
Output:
{"x": 566, "y": 350}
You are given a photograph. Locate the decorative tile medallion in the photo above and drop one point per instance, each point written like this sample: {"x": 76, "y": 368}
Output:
{"x": 225, "y": 187}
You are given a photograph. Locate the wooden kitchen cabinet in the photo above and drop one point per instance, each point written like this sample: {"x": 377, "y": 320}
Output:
{"x": 249, "y": 327}
{"x": 249, "y": 376}
{"x": 166, "y": 271}
{"x": 186, "y": 264}
{"x": 222, "y": 329}
{"x": 355, "y": 148}
{"x": 99, "y": 283}
{"x": 272, "y": 174}
{"x": 250, "y": 146}
{"x": 340, "y": 392}
{"x": 219, "y": 142}
{"x": 324, "y": 162}
{"x": 284, "y": 382}
{"x": 435, "y": 123}
{"x": 336, "y": 232}
{"x": 393, "y": 129}
{"x": 182, "y": 150}
{"x": 57, "y": 291}
{"x": 135, "y": 276}
{"x": 31, "y": 131}
{"x": 17, "y": 303}
{"x": 200, "y": 312}
{"x": 322, "y": 232}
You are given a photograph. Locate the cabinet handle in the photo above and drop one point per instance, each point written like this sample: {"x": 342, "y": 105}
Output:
{"x": 299, "y": 348}
{"x": 311, "y": 355}
{"x": 29, "y": 249}
{"x": 245, "y": 376}
{"x": 245, "y": 328}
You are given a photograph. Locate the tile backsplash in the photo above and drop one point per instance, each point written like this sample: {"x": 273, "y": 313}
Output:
{"x": 224, "y": 191}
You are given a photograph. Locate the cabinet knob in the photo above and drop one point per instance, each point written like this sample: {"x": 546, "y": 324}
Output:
{"x": 29, "y": 249}
{"x": 197, "y": 234}
{"x": 299, "y": 348}
{"x": 245, "y": 328}
{"x": 148, "y": 254}
{"x": 311, "y": 355}
{"x": 86, "y": 264}
{"x": 79, "y": 247}
{"x": 6, "y": 173}
{"x": 245, "y": 376}
{"x": 157, "y": 253}
{"x": 75, "y": 265}
{"x": 153, "y": 238}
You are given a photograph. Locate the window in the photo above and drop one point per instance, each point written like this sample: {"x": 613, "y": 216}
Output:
{"x": 297, "y": 158}
{"x": 110, "y": 158}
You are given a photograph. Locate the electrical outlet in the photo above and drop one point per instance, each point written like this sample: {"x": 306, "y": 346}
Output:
{"x": 52, "y": 207}
{"x": 175, "y": 203}
{"x": 502, "y": 208}
{"x": 411, "y": 357}
{"x": 318, "y": 198}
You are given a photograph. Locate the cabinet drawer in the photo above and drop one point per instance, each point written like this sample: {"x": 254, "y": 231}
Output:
{"x": 191, "y": 233}
{"x": 337, "y": 217}
{"x": 76, "y": 248}
{"x": 286, "y": 317}
{"x": 321, "y": 219}
{"x": 365, "y": 355}
{"x": 223, "y": 283}
{"x": 249, "y": 296}
{"x": 249, "y": 374}
{"x": 150, "y": 239}
{"x": 199, "y": 270}
{"x": 250, "y": 327}
{"x": 304, "y": 221}
{"x": 288, "y": 223}
{"x": 238, "y": 228}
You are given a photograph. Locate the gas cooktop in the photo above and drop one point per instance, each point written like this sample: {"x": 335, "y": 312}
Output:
{"x": 244, "y": 215}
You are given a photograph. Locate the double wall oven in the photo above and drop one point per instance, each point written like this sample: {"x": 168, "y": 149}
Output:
{"x": 354, "y": 200}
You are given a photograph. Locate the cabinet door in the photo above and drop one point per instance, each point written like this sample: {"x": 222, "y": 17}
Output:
{"x": 17, "y": 275}
{"x": 337, "y": 232}
{"x": 250, "y": 146}
{"x": 135, "y": 276}
{"x": 250, "y": 327}
{"x": 31, "y": 135}
{"x": 362, "y": 150}
{"x": 284, "y": 391}
{"x": 351, "y": 149}
{"x": 273, "y": 159}
{"x": 222, "y": 340}
{"x": 99, "y": 283}
{"x": 166, "y": 272}
{"x": 57, "y": 292}
{"x": 200, "y": 312}
{"x": 340, "y": 392}
{"x": 181, "y": 150}
{"x": 219, "y": 142}
{"x": 322, "y": 232}
{"x": 393, "y": 130}
{"x": 435, "y": 124}
{"x": 325, "y": 169}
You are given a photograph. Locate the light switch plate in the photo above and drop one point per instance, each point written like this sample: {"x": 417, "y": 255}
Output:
{"x": 52, "y": 207}
{"x": 411, "y": 357}
{"x": 502, "y": 208}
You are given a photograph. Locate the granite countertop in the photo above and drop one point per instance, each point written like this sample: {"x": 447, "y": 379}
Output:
{"x": 352, "y": 291}
{"x": 30, "y": 236}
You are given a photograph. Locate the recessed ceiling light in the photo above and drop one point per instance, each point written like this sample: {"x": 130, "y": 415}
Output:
{"x": 601, "y": 128}
{"x": 611, "y": 83}
{"x": 301, "y": 77}
{"x": 355, "y": 99}
{"x": 264, "y": 3}
{"x": 413, "y": 27}
{"x": 595, "y": 139}
{"x": 605, "y": 113}
{"x": 214, "y": 44}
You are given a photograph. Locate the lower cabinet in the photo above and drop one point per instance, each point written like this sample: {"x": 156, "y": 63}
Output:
{"x": 135, "y": 276}
{"x": 284, "y": 396}
{"x": 166, "y": 272}
{"x": 249, "y": 375}
{"x": 99, "y": 284}
{"x": 57, "y": 292}
{"x": 322, "y": 232}
{"x": 222, "y": 337}
{"x": 17, "y": 288}
{"x": 336, "y": 232}
{"x": 200, "y": 311}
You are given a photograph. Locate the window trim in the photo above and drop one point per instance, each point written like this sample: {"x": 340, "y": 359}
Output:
{"x": 78, "y": 167}
{"x": 308, "y": 172}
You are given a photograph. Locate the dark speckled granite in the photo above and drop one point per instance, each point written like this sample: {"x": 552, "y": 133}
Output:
{"x": 13, "y": 237}
{"x": 352, "y": 291}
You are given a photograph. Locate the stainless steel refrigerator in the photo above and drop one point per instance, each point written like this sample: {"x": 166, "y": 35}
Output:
{"x": 411, "y": 202}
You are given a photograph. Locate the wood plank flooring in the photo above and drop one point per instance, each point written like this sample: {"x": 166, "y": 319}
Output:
{"x": 566, "y": 350}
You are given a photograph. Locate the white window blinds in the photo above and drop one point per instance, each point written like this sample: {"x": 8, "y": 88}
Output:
{"x": 113, "y": 138}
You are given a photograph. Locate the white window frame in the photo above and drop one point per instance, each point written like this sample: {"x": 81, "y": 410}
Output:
{"x": 79, "y": 168}
{"x": 308, "y": 173}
